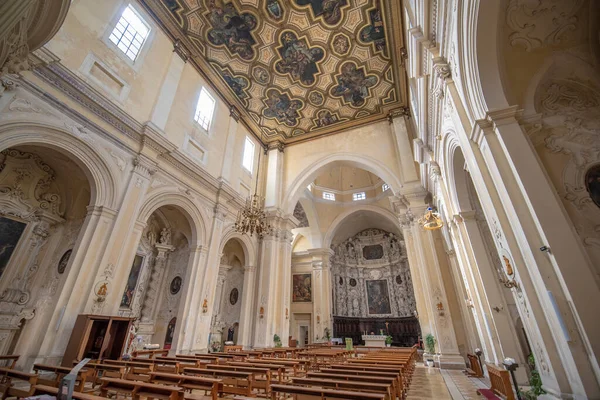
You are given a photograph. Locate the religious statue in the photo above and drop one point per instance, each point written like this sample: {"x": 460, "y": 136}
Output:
{"x": 230, "y": 334}
{"x": 165, "y": 236}
{"x": 509, "y": 269}
{"x": 151, "y": 237}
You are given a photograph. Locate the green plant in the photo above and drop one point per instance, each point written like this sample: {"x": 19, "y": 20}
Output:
{"x": 277, "y": 340}
{"x": 389, "y": 339}
{"x": 535, "y": 382}
{"x": 430, "y": 343}
{"x": 326, "y": 333}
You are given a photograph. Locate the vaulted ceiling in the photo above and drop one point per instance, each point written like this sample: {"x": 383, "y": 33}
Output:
{"x": 294, "y": 69}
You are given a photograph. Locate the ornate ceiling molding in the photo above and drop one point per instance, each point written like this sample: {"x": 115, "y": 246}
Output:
{"x": 297, "y": 69}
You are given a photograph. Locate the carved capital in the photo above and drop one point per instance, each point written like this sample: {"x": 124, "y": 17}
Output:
{"x": 143, "y": 167}
{"x": 234, "y": 113}
{"x": 403, "y": 111}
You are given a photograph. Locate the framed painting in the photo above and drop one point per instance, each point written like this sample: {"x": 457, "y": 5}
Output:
{"x": 132, "y": 281}
{"x": 302, "y": 288}
{"x": 10, "y": 233}
{"x": 378, "y": 298}
{"x": 170, "y": 333}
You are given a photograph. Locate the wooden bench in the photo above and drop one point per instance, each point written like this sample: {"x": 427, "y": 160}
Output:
{"x": 233, "y": 348}
{"x": 500, "y": 380}
{"x": 150, "y": 353}
{"x": 474, "y": 367}
{"x": 234, "y": 382}
{"x": 370, "y": 370}
{"x": 342, "y": 384}
{"x": 10, "y": 359}
{"x": 52, "y": 391}
{"x": 261, "y": 375}
{"x": 391, "y": 381}
{"x": 137, "y": 389}
{"x": 8, "y": 376}
{"x": 278, "y": 369}
{"x": 301, "y": 393}
{"x": 189, "y": 383}
{"x": 58, "y": 373}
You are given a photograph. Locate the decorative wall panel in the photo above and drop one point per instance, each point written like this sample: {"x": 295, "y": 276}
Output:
{"x": 371, "y": 276}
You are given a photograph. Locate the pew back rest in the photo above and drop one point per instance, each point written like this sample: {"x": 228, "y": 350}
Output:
{"x": 500, "y": 380}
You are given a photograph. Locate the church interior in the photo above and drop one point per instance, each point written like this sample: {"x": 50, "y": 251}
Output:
{"x": 300, "y": 199}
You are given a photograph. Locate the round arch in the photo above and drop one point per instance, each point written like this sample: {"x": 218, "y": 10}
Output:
{"x": 478, "y": 52}
{"x": 454, "y": 173}
{"x": 160, "y": 198}
{"x": 341, "y": 217}
{"x": 309, "y": 174}
{"x": 100, "y": 174}
{"x": 247, "y": 245}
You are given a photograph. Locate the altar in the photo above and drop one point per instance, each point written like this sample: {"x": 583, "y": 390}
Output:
{"x": 374, "y": 340}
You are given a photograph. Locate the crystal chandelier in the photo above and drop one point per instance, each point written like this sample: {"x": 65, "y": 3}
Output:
{"x": 431, "y": 220}
{"x": 252, "y": 218}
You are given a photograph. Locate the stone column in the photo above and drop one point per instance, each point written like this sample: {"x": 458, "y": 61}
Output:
{"x": 466, "y": 303}
{"x": 204, "y": 289}
{"x": 274, "y": 281}
{"x": 563, "y": 279}
{"x": 322, "y": 289}
{"x": 486, "y": 280}
{"x": 247, "y": 311}
{"x": 187, "y": 339}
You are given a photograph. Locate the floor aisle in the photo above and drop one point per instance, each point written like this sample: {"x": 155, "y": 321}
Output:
{"x": 431, "y": 383}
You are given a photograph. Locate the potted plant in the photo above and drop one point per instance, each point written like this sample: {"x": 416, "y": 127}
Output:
{"x": 430, "y": 349}
{"x": 388, "y": 341}
{"x": 215, "y": 346}
{"x": 326, "y": 334}
{"x": 277, "y": 340}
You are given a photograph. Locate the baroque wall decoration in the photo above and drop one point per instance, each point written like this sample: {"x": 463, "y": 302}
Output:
{"x": 10, "y": 233}
{"x": 371, "y": 262}
{"x": 300, "y": 215}
{"x": 334, "y": 54}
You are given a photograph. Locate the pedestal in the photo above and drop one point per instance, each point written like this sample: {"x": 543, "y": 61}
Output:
{"x": 374, "y": 340}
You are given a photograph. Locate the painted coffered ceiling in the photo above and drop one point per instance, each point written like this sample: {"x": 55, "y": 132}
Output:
{"x": 294, "y": 69}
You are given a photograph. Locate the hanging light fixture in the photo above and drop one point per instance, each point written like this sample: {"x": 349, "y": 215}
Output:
{"x": 431, "y": 220}
{"x": 252, "y": 218}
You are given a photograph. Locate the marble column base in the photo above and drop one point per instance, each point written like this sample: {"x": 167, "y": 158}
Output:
{"x": 450, "y": 361}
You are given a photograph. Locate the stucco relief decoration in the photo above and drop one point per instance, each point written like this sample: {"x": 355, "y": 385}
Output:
{"x": 541, "y": 22}
{"x": 371, "y": 262}
{"x": 333, "y": 54}
{"x": 27, "y": 187}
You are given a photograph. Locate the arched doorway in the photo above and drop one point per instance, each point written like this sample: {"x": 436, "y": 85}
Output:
{"x": 225, "y": 324}
{"x": 154, "y": 289}
{"x": 44, "y": 199}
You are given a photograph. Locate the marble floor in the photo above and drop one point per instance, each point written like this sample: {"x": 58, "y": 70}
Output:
{"x": 433, "y": 383}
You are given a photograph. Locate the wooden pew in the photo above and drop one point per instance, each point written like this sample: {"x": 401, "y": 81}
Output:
{"x": 52, "y": 391}
{"x": 262, "y": 376}
{"x": 58, "y": 373}
{"x": 278, "y": 369}
{"x": 232, "y": 348}
{"x": 370, "y": 370}
{"x": 133, "y": 370}
{"x": 189, "y": 383}
{"x": 10, "y": 359}
{"x": 301, "y": 392}
{"x": 137, "y": 389}
{"x": 474, "y": 368}
{"x": 97, "y": 371}
{"x": 500, "y": 380}
{"x": 390, "y": 380}
{"x": 342, "y": 384}
{"x": 8, "y": 376}
{"x": 234, "y": 382}
{"x": 150, "y": 353}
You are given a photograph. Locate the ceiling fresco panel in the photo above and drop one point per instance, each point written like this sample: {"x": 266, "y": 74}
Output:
{"x": 297, "y": 69}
